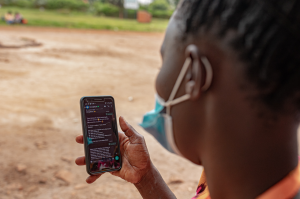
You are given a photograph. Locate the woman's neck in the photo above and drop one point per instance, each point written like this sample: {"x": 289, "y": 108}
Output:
{"x": 247, "y": 157}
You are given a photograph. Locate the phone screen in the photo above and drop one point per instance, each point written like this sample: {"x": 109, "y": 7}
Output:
{"x": 101, "y": 135}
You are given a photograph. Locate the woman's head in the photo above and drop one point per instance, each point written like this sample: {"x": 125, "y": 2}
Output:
{"x": 267, "y": 35}
{"x": 253, "y": 48}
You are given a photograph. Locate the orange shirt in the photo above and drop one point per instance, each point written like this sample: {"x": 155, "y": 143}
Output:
{"x": 287, "y": 188}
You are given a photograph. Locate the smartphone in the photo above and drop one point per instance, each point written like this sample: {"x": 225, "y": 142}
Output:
{"x": 100, "y": 133}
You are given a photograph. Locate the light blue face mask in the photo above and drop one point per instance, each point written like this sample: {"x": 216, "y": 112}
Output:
{"x": 158, "y": 122}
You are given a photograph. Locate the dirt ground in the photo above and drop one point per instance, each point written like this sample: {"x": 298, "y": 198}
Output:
{"x": 43, "y": 74}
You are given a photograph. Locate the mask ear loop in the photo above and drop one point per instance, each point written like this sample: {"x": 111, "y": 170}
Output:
{"x": 208, "y": 81}
{"x": 183, "y": 71}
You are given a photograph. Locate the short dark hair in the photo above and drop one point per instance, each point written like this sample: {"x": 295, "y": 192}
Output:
{"x": 268, "y": 41}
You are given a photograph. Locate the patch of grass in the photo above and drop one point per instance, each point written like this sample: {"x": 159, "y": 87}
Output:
{"x": 79, "y": 20}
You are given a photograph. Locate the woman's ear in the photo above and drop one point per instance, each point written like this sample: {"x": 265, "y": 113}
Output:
{"x": 199, "y": 76}
{"x": 193, "y": 78}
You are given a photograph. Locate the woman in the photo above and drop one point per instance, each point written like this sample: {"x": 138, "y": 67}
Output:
{"x": 229, "y": 98}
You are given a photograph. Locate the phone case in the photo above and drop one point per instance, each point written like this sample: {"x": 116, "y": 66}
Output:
{"x": 84, "y": 131}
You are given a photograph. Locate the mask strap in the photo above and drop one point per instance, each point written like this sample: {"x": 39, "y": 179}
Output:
{"x": 209, "y": 77}
{"x": 180, "y": 78}
{"x": 171, "y": 102}
{"x": 208, "y": 81}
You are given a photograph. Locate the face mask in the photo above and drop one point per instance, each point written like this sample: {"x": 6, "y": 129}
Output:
{"x": 158, "y": 122}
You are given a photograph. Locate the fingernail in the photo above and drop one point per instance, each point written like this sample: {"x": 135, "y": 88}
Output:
{"x": 87, "y": 180}
{"x": 124, "y": 119}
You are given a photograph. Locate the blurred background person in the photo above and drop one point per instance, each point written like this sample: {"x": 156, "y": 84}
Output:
{"x": 18, "y": 18}
{"x": 9, "y": 18}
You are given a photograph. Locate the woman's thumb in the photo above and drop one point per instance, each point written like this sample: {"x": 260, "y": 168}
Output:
{"x": 129, "y": 131}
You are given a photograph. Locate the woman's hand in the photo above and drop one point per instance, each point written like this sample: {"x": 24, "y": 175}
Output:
{"x": 135, "y": 157}
{"x": 136, "y": 165}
